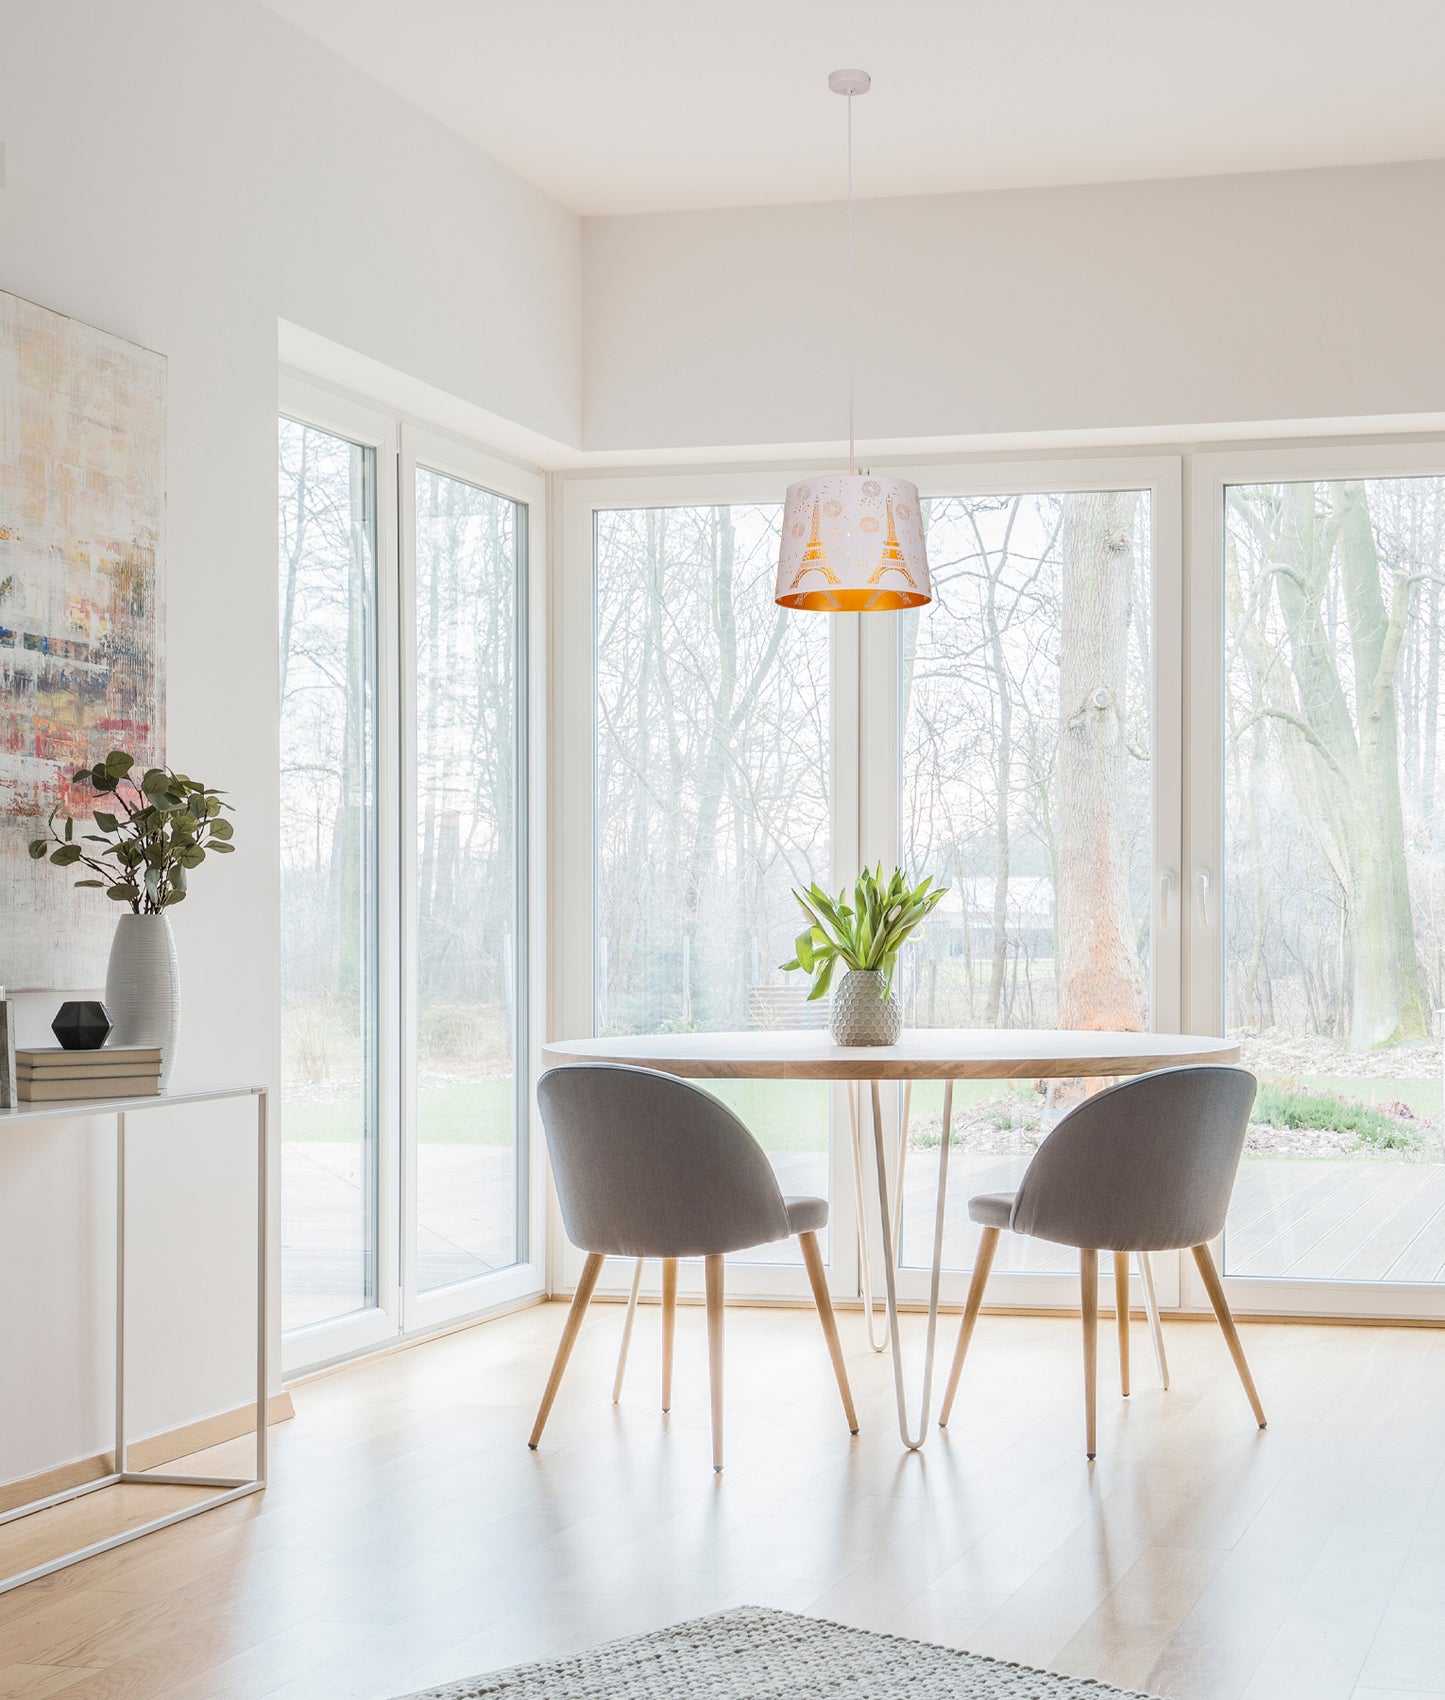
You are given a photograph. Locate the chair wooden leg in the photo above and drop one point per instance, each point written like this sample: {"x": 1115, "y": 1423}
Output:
{"x": 669, "y": 1326}
{"x": 982, "y": 1263}
{"x": 580, "y": 1300}
{"x": 1215, "y": 1288}
{"x": 1089, "y": 1283}
{"x": 1151, "y": 1307}
{"x": 714, "y": 1280}
{"x": 818, "y": 1280}
{"x": 627, "y": 1333}
{"x": 1121, "y": 1311}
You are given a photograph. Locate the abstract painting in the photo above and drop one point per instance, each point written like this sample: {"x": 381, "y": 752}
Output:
{"x": 82, "y": 547}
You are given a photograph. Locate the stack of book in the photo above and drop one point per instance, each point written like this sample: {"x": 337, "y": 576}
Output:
{"x": 51, "y": 1074}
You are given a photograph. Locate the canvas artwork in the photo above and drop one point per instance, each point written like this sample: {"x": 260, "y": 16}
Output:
{"x": 82, "y": 548}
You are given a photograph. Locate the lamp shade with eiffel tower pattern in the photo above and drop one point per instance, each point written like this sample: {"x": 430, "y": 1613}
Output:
{"x": 852, "y": 545}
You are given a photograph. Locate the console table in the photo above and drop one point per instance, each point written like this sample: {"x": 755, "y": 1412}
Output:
{"x": 223, "y": 1488}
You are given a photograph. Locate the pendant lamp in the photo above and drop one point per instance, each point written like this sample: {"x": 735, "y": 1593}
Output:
{"x": 852, "y": 544}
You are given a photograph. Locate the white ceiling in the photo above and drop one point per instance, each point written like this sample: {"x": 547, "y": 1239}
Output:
{"x": 636, "y": 105}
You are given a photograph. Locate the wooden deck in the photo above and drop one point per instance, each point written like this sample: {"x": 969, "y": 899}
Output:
{"x": 1292, "y": 1218}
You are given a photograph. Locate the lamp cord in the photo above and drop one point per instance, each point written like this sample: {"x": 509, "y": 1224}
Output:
{"x": 852, "y": 469}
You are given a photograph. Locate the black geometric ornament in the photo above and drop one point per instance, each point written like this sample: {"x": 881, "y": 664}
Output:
{"x": 82, "y": 1026}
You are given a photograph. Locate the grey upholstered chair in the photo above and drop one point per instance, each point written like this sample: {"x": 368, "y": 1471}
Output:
{"x": 650, "y": 1166}
{"x": 1147, "y": 1165}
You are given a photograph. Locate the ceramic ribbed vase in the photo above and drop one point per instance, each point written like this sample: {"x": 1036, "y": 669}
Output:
{"x": 861, "y": 1015}
{"x": 143, "y": 987}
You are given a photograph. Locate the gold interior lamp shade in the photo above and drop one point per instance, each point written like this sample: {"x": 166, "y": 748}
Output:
{"x": 852, "y": 544}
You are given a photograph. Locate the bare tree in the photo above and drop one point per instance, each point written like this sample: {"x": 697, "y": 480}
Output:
{"x": 1323, "y": 624}
{"x": 1101, "y": 984}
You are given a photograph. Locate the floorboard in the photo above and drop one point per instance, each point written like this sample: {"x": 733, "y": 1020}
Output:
{"x": 409, "y": 1537}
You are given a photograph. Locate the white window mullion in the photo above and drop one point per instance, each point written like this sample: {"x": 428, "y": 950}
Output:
{"x": 403, "y": 863}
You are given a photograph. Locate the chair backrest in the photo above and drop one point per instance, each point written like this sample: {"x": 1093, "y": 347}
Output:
{"x": 647, "y": 1165}
{"x": 1147, "y": 1165}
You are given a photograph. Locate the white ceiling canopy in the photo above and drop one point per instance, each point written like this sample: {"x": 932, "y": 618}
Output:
{"x": 636, "y": 105}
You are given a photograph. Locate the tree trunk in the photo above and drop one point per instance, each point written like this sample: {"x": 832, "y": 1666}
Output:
{"x": 1003, "y": 783}
{"x": 1101, "y": 985}
{"x": 1388, "y": 996}
{"x": 1344, "y": 763}
{"x": 348, "y": 847}
{"x": 1432, "y": 710}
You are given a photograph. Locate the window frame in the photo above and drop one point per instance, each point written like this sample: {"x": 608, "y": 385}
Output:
{"x": 434, "y": 451}
{"x": 1202, "y": 978}
{"x": 362, "y": 1330}
{"x": 400, "y": 444}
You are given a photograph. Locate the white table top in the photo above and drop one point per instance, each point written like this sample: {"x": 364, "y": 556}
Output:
{"x": 923, "y": 1053}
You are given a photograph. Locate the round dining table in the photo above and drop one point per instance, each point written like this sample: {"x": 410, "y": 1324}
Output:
{"x": 943, "y": 1054}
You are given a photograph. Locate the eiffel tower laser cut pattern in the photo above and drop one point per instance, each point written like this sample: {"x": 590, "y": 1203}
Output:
{"x": 815, "y": 558}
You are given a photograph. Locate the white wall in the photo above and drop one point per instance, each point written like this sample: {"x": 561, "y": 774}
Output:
{"x": 1231, "y": 301}
{"x": 184, "y": 173}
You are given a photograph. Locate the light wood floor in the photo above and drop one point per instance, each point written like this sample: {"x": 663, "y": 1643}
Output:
{"x": 409, "y": 1537}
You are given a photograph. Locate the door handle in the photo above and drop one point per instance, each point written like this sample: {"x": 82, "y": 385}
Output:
{"x": 1204, "y": 885}
{"x": 1166, "y": 885}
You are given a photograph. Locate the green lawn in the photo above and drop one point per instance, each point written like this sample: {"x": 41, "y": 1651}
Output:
{"x": 1423, "y": 1096}
{"x": 477, "y": 1112}
{"x": 785, "y": 1115}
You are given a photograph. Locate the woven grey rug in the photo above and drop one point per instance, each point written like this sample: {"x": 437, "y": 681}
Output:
{"x": 753, "y": 1654}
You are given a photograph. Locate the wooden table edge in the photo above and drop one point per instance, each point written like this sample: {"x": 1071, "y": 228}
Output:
{"x": 884, "y": 1067}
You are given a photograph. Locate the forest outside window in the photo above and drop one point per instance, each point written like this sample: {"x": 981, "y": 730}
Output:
{"x": 1334, "y": 949}
{"x": 329, "y": 965}
{"x": 713, "y": 799}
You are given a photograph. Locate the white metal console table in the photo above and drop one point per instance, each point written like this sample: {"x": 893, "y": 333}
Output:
{"x": 224, "y": 1488}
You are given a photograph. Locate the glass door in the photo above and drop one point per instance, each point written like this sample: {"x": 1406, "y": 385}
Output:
{"x": 713, "y": 786}
{"x": 469, "y": 1236}
{"x": 1330, "y": 957}
{"x": 337, "y": 557}
{"x": 1036, "y": 777}
{"x": 411, "y": 1191}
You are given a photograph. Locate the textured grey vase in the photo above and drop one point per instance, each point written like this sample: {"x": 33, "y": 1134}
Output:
{"x": 859, "y": 1015}
{"x": 143, "y": 987}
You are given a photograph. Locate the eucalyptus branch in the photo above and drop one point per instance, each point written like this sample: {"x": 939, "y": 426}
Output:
{"x": 171, "y": 824}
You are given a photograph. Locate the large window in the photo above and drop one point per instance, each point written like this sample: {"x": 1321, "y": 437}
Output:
{"x": 1334, "y": 867}
{"x": 328, "y": 551}
{"x": 1181, "y": 777}
{"x": 407, "y": 1195}
{"x": 470, "y": 928}
{"x": 712, "y": 774}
